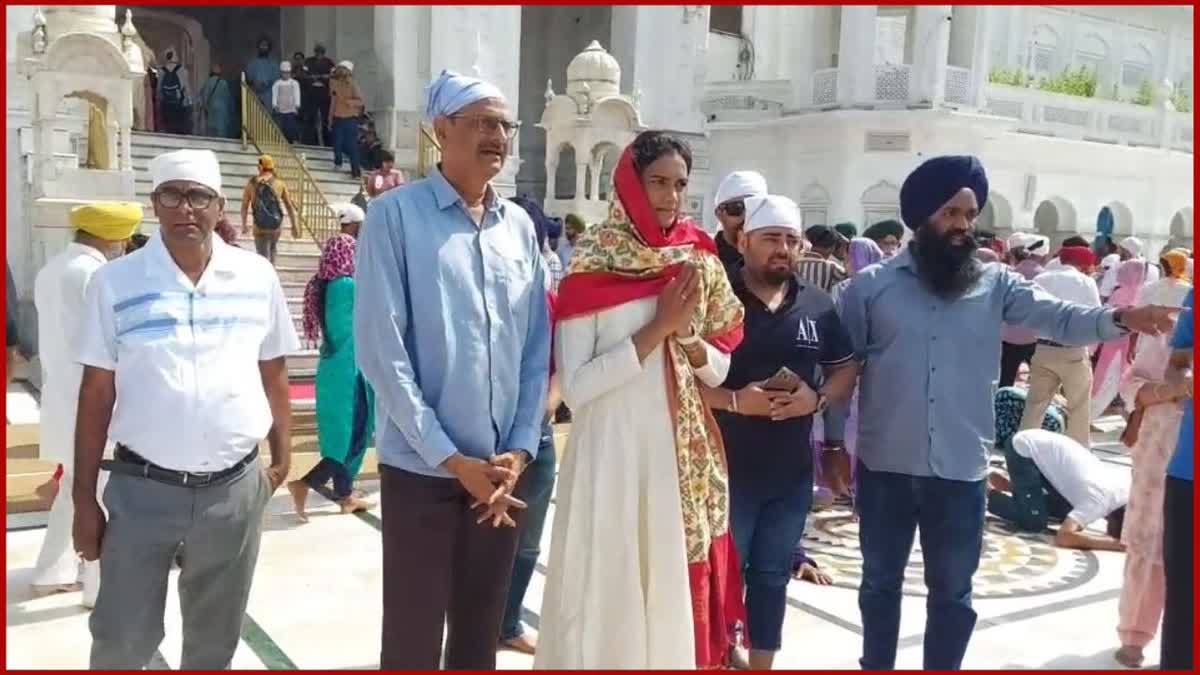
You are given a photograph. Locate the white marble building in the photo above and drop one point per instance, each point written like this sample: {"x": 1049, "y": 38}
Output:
{"x": 836, "y": 104}
{"x": 833, "y": 104}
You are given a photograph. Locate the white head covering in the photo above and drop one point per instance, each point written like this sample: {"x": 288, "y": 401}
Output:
{"x": 348, "y": 65}
{"x": 450, "y": 92}
{"x": 349, "y": 213}
{"x": 1038, "y": 245}
{"x": 1021, "y": 239}
{"x": 1133, "y": 245}
{"x": 741, "y": 184}
{"x": 772, "y": 211}
{"x": 285, "y": 67}
{"x": 200, "y": 166}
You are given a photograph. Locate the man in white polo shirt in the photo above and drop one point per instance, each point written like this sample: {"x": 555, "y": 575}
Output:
{"x": 183, "y": 347}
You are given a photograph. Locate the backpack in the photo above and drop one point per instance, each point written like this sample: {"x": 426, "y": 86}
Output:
{"x": 172, "y": 87}
{"x": 267, "y": 212}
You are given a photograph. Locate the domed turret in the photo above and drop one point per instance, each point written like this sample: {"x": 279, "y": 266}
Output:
{"x": 595, "y": 68}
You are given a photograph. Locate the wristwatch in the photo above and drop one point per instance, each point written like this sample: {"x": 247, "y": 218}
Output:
{"x": 1118, "y": 319}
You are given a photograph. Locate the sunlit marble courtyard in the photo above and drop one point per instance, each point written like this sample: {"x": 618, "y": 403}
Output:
{"x": 316, "y": 600}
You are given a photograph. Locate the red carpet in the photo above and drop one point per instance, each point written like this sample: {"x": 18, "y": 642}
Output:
{"x": 300, "y": 391}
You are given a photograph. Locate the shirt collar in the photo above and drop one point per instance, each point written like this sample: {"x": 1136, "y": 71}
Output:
{"x": 446, "y": 196}
{"x": 737, "y": 282}
{"x": 905, "y": 259}
{"x": 160, "y": 262}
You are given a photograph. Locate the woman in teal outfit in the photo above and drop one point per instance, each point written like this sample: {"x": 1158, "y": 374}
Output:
{"x": 345, "y": 402}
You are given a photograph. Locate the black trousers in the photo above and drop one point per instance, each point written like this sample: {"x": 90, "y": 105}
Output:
{"x": 1011, "y": 358}
{"x": 442, "y": 571}
{"x": 1177, "y": 566}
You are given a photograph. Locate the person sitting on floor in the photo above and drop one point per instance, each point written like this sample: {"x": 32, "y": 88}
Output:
{"x": 1082, "y": 489}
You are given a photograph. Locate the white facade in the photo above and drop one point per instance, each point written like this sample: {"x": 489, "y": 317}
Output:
{"x": 838, "y": 104}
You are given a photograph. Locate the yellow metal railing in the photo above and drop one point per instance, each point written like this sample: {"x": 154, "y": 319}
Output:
{"x": 316, "y": 216}
{"x": 429, "y": 151}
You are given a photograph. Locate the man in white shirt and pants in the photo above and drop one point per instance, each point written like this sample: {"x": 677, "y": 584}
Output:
{"x": 101, "y": 232}
{"x": 1057, "y": 365}
{"x": 285, "y": 100}
{"x": 183, "y": 345}
{"x": 1083, "y": 490}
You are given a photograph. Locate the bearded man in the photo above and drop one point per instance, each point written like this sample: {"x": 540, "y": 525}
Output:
{"x": 926, "y": 327}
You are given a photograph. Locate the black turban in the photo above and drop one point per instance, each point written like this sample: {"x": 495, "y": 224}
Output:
{"x": 847, "y": 230}
{"x": 935, "y": 182}
{"x": 879, "y": 231}
{"x": 821, "y": 236}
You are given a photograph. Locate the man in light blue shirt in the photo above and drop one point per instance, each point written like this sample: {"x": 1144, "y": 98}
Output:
{"x": 452, "y": 329}
{"x": 926, "y": 325}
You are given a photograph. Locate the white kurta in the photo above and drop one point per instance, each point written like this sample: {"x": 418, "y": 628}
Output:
{"x": 617, "y": 593}
{"x": 59, "y": 292}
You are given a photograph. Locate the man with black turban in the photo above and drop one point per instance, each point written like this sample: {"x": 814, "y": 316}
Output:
{"x": 887, "y": 234}
{"x": 926, "y": 326}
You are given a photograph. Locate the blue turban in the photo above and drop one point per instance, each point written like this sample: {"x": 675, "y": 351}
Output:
{"x": 452, "y": 92}
{"x": 935, "y": 182}
{"x": 554, "y": 227}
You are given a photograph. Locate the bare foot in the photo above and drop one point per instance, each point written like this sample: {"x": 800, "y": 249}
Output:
{"x": 299, "y": 490}
{"x": 738, "y": 659}
{"x": 523, "y": 643}
{"x": 1130, "y": 656}
{"x": 47, "y": 491}
{"x": 998, "y": 482}
{"x": 809, "y": 573}
{"x": 353, "y": 504}
{"x": 42, "y": 590}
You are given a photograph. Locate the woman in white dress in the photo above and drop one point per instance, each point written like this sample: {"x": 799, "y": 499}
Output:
{"x": 643, "y": 574}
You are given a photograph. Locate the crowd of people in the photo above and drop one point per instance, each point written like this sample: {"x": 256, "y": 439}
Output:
{"x": 866, "y": 365}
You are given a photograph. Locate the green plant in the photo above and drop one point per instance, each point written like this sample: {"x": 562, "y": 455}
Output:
{"x": 1181, "y": 100}
{"x": 1080, "y": 82}
{"x": 1144, "y": 95}
{"x": 1013, "y": 78}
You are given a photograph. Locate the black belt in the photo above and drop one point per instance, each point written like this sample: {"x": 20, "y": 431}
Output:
{"x": 1052, "y": 343}
{"x": 130, "y": 463}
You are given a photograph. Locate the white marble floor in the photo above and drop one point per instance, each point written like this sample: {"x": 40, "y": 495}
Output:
{"x": 316, "y": 603}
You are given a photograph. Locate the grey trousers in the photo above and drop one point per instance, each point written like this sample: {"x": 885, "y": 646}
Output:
{"x": 220, "y": 527}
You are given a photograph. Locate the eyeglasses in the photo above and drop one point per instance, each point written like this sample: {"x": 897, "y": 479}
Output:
{"x": 173, "y": 199}
{"x": 490, "y": 125}
{"x": 736, "y": 208}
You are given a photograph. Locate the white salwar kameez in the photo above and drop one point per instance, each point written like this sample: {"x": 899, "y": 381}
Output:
{"x": 617, "y": 594}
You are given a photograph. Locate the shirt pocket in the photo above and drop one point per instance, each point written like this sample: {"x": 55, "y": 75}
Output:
{"x": 514, "y": 273}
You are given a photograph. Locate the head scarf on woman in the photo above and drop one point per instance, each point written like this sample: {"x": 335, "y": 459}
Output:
{"x": 863, "y": 253}
{"x": 1131, "y": 274}
{"x": 629, "y": 257}
{"x": 337, "y": 260}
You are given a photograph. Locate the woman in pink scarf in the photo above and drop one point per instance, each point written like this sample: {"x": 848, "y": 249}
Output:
{"x": 1144, "y": 387}
{"x": 1131, "y": 274}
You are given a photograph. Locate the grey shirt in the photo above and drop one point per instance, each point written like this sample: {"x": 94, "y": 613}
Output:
{"x": 930, "y": 366}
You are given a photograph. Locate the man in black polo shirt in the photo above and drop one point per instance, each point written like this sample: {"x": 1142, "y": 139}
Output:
{"x": 765, "y": 420}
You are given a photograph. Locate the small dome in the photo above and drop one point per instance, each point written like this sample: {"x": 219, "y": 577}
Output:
{"x": 598, "y": 69}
